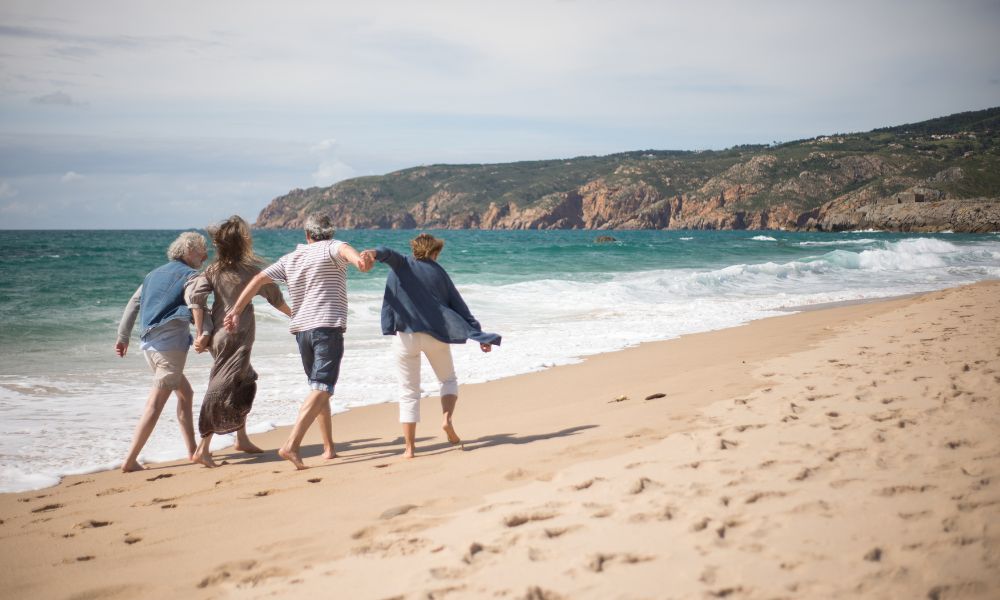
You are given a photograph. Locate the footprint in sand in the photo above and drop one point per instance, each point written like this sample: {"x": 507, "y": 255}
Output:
{"x": 965, "y": 589}
{"x": 161, "y": 476}
{"x": 538, "y": 593}
{"x": 598, "y": 562}
{"x": 132, "y": 540}
{"x": 903, "y": 489}
{"x": 226, "y": 571}
{"x": 701, "y": 525}
{"x": 314, "y": 480}
{"x": 756, "y": 497}
{"x": 85, "y": 558}
{"x": 725, "y": 592}
{"x": 554, "y": 532}
{"x": 585, "y": 484}
{"x": 397, "y": 511}
{"x": 92, "y": 524}
{"x": 641, "y": 484}
{"x": 520, "y": 519}
{"x": 874, "y": 555}
{"x": 47, "y": 508}
{"x": 602, "y": 511}
{"x": 169, "y": 506}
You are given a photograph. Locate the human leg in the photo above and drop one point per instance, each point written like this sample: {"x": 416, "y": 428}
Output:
{"x": 322, "y": 350}
{"x": 307, "y": 414}
{"x": 325, "y": 421}
{"x": 243, "y": 443}
{"x": 439, "y": 356}
{"x": 409, "y": 439}
{"x": 185, "y": 417}
{"x": 407, "y": 354}
{"x": 203, "y": 454}
{"x": 154, "y": 406}
{"x": 167, "y": 370}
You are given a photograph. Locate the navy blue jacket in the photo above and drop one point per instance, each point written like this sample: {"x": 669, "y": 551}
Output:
{"x": 420, "y": 297}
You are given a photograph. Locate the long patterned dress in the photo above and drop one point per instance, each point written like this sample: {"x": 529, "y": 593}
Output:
{"x": 232, "y": 383}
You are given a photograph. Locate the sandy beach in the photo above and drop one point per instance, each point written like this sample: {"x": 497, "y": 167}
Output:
{"x": 852, "y": 451}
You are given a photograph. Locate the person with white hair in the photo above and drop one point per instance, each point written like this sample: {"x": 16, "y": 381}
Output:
{"x": 316, "y": 276}
{"x": 165, "y": 338}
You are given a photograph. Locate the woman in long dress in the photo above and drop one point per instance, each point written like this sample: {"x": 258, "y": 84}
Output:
{"x": 232, "y": 383}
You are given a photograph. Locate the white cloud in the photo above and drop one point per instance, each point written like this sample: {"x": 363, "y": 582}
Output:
{"x": 7, "y": 190}
{"x": 331, "y": 168}
{"x": 58, "y": 99}
{"x": 71, "y": 176}
{"x": 331, "y": 171}
{"x": 325, "y": 146}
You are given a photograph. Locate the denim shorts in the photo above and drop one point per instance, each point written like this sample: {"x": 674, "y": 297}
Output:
{"x": 321, "y": 350}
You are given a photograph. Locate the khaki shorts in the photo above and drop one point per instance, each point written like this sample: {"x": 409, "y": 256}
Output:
{"x": 168, "y": 367}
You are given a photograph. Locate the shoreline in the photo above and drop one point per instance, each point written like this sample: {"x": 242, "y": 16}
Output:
{"x": 558, "y": 476}
{"x": 282, "y": 430}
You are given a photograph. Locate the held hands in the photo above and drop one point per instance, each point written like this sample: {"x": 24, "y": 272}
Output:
{"x": 485, "y": 347}
{"x": 121, "y": 349}
{"x": 367, "y": 261}
{"x": 202, "y": 343}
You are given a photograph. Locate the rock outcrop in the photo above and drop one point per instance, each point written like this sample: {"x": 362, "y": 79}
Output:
{"x": 911, "y": 178}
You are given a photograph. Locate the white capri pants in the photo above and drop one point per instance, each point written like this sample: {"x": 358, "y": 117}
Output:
{"x": 407, "y": 348}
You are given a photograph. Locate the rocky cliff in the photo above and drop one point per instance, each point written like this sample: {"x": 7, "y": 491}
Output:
{"x": 932, "y": 176}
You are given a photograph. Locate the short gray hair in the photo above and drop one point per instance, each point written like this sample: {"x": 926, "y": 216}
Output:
{"x": 319, "y": 227}
{"x": 185, "y": 242}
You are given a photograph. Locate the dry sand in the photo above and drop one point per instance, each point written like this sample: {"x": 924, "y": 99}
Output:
{"x": 848, "y": 452}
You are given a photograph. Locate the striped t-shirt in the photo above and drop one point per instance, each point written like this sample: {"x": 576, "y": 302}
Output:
{"x": 316, "y": 276}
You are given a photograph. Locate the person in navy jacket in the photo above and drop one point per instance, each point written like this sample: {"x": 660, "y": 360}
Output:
{"x": 425, "y": 312}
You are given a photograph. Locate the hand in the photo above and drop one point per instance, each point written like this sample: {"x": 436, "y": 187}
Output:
{"x": 121, "y": 349}
{"x": 367, "y": 261}
{"x": 485, "y": 347}
{"x": 202, "y": 343}
{"x": 232, "y": 320}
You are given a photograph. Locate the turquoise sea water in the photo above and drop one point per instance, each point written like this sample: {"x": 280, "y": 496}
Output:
{"x": 68, "y": 404}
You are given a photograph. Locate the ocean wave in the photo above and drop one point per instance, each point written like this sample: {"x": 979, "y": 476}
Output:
{"x": 764, "y": 238}
{"x": 839, "y": 242}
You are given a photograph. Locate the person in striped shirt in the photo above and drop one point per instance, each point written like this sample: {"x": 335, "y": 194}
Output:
{"x": 316, "y": 276}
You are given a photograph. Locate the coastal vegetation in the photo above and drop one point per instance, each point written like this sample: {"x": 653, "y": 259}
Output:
{"x": 940, "y": 174}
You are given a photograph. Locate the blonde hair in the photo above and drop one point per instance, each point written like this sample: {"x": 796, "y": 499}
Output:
{"x": 426, "y": 245}
{"x": 233, "y": 245}
{"x": 185, "y": 242}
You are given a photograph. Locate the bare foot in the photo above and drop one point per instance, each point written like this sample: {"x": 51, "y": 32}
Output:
{"x": 409, "y": 452}
{"x": 450, "y": 432}
{"x": 330, "y": 454}
{"x": 132, "y": 467}
{"x": 292, "y": 457}
{"x": 204, "y": 459}
{"x": 248, "y": 447}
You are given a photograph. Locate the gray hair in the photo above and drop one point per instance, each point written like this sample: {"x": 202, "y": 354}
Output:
{"x": 185, "y": 242}
{"x": 319, "y": 227}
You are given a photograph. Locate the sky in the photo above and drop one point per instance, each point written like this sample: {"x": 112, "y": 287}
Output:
{"x": 140, "y": 114}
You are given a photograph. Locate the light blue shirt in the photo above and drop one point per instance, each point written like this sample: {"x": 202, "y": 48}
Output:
{"x": 173, "y": 335}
